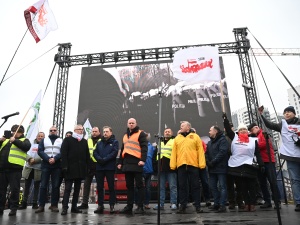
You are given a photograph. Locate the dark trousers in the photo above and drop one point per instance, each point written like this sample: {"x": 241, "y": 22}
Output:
{"x": 87, "y": 187}
{"x": 11, "y": 178}
{"x": 110, "y": 178}
{"x": 234, "y": 193}
{"x": 204, "y": 184}
{"x": 186, "y": 174}
{"x": 247, "y": 186}
{"x": 130, "y": 178}
{"x": 268, "y": 176}
{"x": 36, "y": 188}
{"x": 67, "y": 192}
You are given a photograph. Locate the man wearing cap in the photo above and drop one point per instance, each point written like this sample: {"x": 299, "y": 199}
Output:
{"x": 269, "y": 164}
{"x": 12, "y": 158}
{"x": 289, "y": 128}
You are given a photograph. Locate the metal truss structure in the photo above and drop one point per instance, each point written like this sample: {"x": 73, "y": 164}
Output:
{"x": 65, "y": 60}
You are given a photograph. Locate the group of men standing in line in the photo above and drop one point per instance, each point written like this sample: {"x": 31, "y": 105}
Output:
{"x": 181, "y": 159}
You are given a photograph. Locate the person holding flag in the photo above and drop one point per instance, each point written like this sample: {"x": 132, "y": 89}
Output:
{"x": 12, "y": 158}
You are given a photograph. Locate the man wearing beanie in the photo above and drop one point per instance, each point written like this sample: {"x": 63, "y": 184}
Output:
{"x": 12, "y": 158}
{"x": 290, "y": 149}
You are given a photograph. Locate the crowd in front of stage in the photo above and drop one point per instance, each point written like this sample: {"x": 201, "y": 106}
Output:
{"x": 231, "y": 168}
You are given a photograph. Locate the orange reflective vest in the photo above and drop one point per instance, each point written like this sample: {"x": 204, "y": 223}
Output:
{"x": 132, "y": 145}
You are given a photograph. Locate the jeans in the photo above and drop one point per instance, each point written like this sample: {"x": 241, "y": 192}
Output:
{"x": 188, "y": 173}
{"x": 87, "y": 188}
{"x": 36, "y": 188}
{"x": 218, "y": 180}
{"x": 110, "y": 178}
{"x": 204, "y": 184}
{"x": 11, "y": 178}
{"x": 67, "y": 193}
{"x": 55, "y": 182}
{"x": 147, "y": 178}
{"x": 171, "y": 177}
{"x": 263, "y": 177}
{"x": 294, "y": 172}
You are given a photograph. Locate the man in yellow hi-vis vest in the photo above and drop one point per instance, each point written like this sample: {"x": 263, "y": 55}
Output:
{"x": 96, "y": 136}
{"x": 12, "y": 158}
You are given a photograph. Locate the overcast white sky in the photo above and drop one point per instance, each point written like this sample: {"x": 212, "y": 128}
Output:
{"x": 93, "y": 26}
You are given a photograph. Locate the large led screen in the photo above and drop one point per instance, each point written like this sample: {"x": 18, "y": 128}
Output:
{"x": 111, "y": 95}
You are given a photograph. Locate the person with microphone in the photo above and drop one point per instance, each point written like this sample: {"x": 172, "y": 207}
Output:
{"x": 12, "y": 158}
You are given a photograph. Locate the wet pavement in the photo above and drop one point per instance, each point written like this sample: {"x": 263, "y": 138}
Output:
{"x": 167, "y": 217}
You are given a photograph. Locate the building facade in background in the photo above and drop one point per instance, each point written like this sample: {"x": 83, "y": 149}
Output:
{"x": 293, "y": 98}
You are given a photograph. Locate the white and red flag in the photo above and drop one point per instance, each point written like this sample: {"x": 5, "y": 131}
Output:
{"x": 195, "y": 65}
{"x": 40, "y": 20}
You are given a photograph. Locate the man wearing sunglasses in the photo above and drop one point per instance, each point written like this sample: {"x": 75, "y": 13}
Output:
{"x": 49, "y": 151}
{"x": 12, "y": 158}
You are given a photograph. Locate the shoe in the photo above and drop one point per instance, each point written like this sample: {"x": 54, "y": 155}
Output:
{"x": 1, "y": 212}
{"x": 156, "y": 207}
{"x": 147, "y": 207}
{"x": 246, "y": 208}
{"x": 279, "y": 206}
{"x": 23, "y": 206}
{"x": 112, "y": 209}
{"x": 139, "y": 210}
{"x": 222, "y": 209}
{"x": 127, "y": 210}
{"x": 214, "y": 207}
{"x": 266, "y": 205}
{"x": 252, "y": 208}
{"x": 83, "y": 206}
{"x": 40, "y": 209}
{"x": 50, "y": 207}
{"x": 297, "y": 209}
{"x": 259, "y": 201}
{"x": 54, "y": 209}
{"x": 173, "y": 207}
{"x": 181, "y": 209}
{"x": 199, "y": 210}
{"x": 35, "y": 206}
{"x": 99, "y": 210}
{"x": 241, "y": 206}
{"x": 208, "y": 203}
{"x": 12, "y": 212}
{"x": 64, "y": 212}
{"x": 231, "y": 206}
{"x": 75, "y": 210}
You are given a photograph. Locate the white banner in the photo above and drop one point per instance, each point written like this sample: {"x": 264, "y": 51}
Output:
{"x": 195, "y": 65}
{"x": 40, "y": 20}
{"x": 87, "y": 128}
{"x": 32, "y": 129}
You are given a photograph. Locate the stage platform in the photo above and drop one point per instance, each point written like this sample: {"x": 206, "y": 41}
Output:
{"x": 167, "y": 217}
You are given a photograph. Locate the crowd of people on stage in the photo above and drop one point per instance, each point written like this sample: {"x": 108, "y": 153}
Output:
{"x": 230, "y": 169}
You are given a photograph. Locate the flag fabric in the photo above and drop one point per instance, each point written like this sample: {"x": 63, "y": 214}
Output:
{"x": 195, "y": 65}
{"x": 33, "y": 129}
{"x": 87, "y": 128}
{"x": 40, "y": 20}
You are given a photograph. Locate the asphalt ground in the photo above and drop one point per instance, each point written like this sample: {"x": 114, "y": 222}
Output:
{"x": 167, "y": 217}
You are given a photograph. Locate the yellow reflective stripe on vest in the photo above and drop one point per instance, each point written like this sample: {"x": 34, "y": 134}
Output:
{"x": 92, "y": 148}
{"x": 16, "y": 155}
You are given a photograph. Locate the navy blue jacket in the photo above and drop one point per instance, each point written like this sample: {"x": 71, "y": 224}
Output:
{"x": 105, "y": 153}
{"x": 217, "y": 154}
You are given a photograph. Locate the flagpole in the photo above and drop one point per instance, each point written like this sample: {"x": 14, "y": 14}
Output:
{"x": 222, "y": 96}
{"x": 21, "y": 122}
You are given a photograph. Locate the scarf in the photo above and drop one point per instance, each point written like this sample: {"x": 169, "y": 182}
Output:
{"x": 244, "y": 138}
{"x": 77, "y": 136}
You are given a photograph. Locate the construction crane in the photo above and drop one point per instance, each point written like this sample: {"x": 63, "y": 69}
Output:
{"x": 276, "y": 51}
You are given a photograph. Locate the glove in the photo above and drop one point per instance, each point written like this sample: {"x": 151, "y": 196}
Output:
{"x": 262, "y": 169}
{"x": 209, "y": 164}
{"x": 101, "y": 161}
{"x": 297, "y": 143}
{"x": 224, "y": 116}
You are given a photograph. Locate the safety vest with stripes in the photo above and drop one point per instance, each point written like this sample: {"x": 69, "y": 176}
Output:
{"x": 52, "y": 149}
{"x": 132, "y": 145}
{"x": 166, "y": 149}
{"x": 92, "y": 148}
{"x": 16, "y": 155}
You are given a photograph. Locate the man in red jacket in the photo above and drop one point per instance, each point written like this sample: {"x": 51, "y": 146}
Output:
{"x": 269, "y": 167}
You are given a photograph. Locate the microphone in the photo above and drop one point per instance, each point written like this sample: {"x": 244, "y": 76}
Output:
{"x": 13, "y": 114}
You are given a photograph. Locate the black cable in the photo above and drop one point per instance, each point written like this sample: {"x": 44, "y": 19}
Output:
{"x": 49, "y": 79}
{"x": 28, "y": 64}
{"x": 276, "y": 65}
